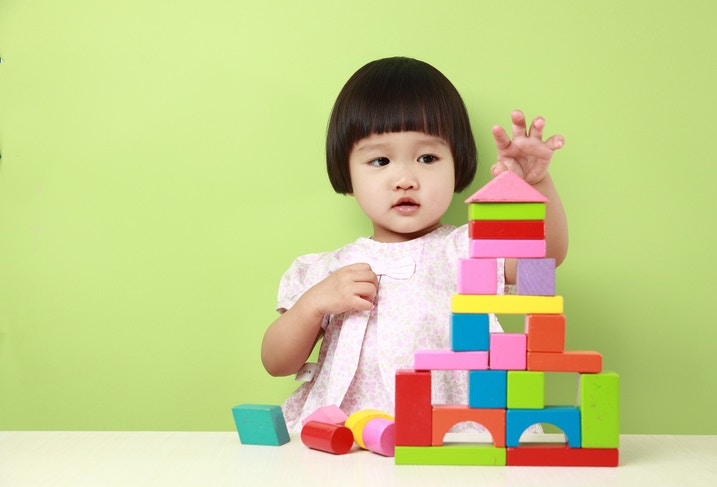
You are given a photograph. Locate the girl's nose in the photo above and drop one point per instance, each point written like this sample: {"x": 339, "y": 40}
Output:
{"x": 406, "y": 178}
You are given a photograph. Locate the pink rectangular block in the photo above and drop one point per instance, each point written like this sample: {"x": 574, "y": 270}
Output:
{"x": 517, "y": 249}
{"x": 508, "y": 351}
{"x": 477, "y": 276}
{"x": 449, "y": 360}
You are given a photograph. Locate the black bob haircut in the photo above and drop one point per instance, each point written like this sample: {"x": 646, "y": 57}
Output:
{"x": 394, "y": 95}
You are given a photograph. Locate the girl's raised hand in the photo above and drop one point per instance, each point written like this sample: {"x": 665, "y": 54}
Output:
{"x": 527, "y": 155}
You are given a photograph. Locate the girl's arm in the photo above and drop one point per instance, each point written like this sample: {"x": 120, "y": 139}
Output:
{"x": 529, "y": 156}
{"x": 289, "y": 340}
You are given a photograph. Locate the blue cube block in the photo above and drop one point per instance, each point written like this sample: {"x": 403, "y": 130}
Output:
{"x": 487, "y": 389}
{"x": 470, "y": 332}
{"x": 260, "y": 424}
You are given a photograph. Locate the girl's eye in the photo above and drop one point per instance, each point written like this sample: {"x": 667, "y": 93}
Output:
{"x": 379, "y": 162}
{"x": 427, "y": 158}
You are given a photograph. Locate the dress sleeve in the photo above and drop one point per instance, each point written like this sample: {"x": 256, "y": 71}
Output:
{"x": 305, "y": 272}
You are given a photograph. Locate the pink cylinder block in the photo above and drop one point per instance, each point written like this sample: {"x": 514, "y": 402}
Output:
{"x": 379, "y": 436}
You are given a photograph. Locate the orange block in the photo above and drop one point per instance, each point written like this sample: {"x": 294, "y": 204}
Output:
{"x": 581, "y": 362}
{"x": 445, "y": 417}
{"x": 546, "y": 333}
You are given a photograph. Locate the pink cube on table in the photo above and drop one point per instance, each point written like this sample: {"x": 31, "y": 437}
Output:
{"x": 331, "y": 414}
{"x": 477, "y": 276}
{"x": 508, "y": 351}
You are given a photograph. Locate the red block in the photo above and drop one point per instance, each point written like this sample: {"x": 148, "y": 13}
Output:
{"x": 546, "y": 333}
{"x": 414, "y": 411}
{"x": 507, "y": 229}
{"x": 581, "y": 362}
{"x": 561, "y": 456}
{"x": 331, "y": 438}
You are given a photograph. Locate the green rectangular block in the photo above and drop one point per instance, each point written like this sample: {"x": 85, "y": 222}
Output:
{"x": 526, "y": 389}
{"x": 506, "y": 211}
{"x": 456, "y": 454}
{"x": 599, "y": 404}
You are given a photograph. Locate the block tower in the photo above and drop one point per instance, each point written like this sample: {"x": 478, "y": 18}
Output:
{"x": 506, "y": 371}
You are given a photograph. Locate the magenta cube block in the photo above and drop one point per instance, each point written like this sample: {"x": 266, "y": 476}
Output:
{"x": 507, "y": 351}
{"x": 477, "y": 276}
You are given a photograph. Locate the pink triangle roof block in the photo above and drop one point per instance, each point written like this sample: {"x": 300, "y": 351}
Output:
{"x": 507, "y": 187}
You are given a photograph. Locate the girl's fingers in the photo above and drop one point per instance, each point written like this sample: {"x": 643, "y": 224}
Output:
{"x": 536, "y": 128}
{"x": 518, "y": 119}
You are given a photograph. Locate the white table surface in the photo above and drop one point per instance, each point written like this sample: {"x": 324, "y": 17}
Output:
{"x": 218, "y": 459}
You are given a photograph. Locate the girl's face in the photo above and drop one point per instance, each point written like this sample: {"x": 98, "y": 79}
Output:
{"x": 403, "y": 181}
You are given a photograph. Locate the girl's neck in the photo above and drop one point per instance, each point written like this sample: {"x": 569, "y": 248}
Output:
{"x": 386, "y": 236}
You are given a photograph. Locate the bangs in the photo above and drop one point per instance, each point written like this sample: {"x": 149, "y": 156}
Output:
{"x": 397, "y": 99}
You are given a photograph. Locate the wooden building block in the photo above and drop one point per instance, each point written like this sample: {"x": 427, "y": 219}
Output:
{"x": 546, "y": 333}
{"x": 572, "y": 361}
{"x": 260, "y": 424}
{"x": 507, "y": 351}
{"x": 567, "y": 418}
{"x": 450, "y": 360}
{"x": 506, "y": 229}
{"x": 470, "y": 332}
{"x": 506, "y": 304}
{"x": 456, "y": 454}
{"x": 327, "y": 414}
{"x": 330, "y": 438}
{"x": 445, "y": 417}
{"x": 506, "y": 211}
{"x": 561, "y": 456}
{"x": 484, "y": 249}
{"x": 506, "y": 187}
{"x": 526, "y": 389}
{"x": 535, "y": 277}
{"x": 414, "y": 408}
{"x": 379, "y": 436}
{"x": 478, "y": 276}
{"x": 357, "y": 421}
{"x": 599, "y": 404}
{"x": 487, "y": 389}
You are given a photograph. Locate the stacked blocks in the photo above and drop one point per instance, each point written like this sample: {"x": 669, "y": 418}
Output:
{"x": 506, "y": 371}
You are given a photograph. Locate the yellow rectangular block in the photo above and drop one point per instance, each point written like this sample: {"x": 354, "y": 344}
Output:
{"x": 506, "y": 304}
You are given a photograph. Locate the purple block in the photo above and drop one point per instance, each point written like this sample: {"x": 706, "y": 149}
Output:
{"x": 535, "y": 277}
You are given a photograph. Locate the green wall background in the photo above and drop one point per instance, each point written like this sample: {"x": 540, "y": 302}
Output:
{"x": 162, "y": 164}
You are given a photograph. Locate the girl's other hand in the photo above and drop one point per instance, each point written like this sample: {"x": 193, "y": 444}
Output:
{"x": 527, "y": 155}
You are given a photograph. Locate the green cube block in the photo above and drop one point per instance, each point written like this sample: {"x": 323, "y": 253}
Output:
{"x": 599, "y": 404}
{"x": 456, "y": 454}
{"x": 260, "y": 424}
{"x": 506, "y": 211}
{"x": 526, "y": 389}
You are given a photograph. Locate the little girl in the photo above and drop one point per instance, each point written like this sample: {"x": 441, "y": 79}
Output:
{"x": 400, "y": 142}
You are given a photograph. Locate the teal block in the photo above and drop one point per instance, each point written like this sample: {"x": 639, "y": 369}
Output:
{"x": 567, "y": 418}
{"x": 487, "y": 389}
{"x": 599, "y": 406}
{"x": 470, "y": 332}
{"x": 260, "y": 424}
